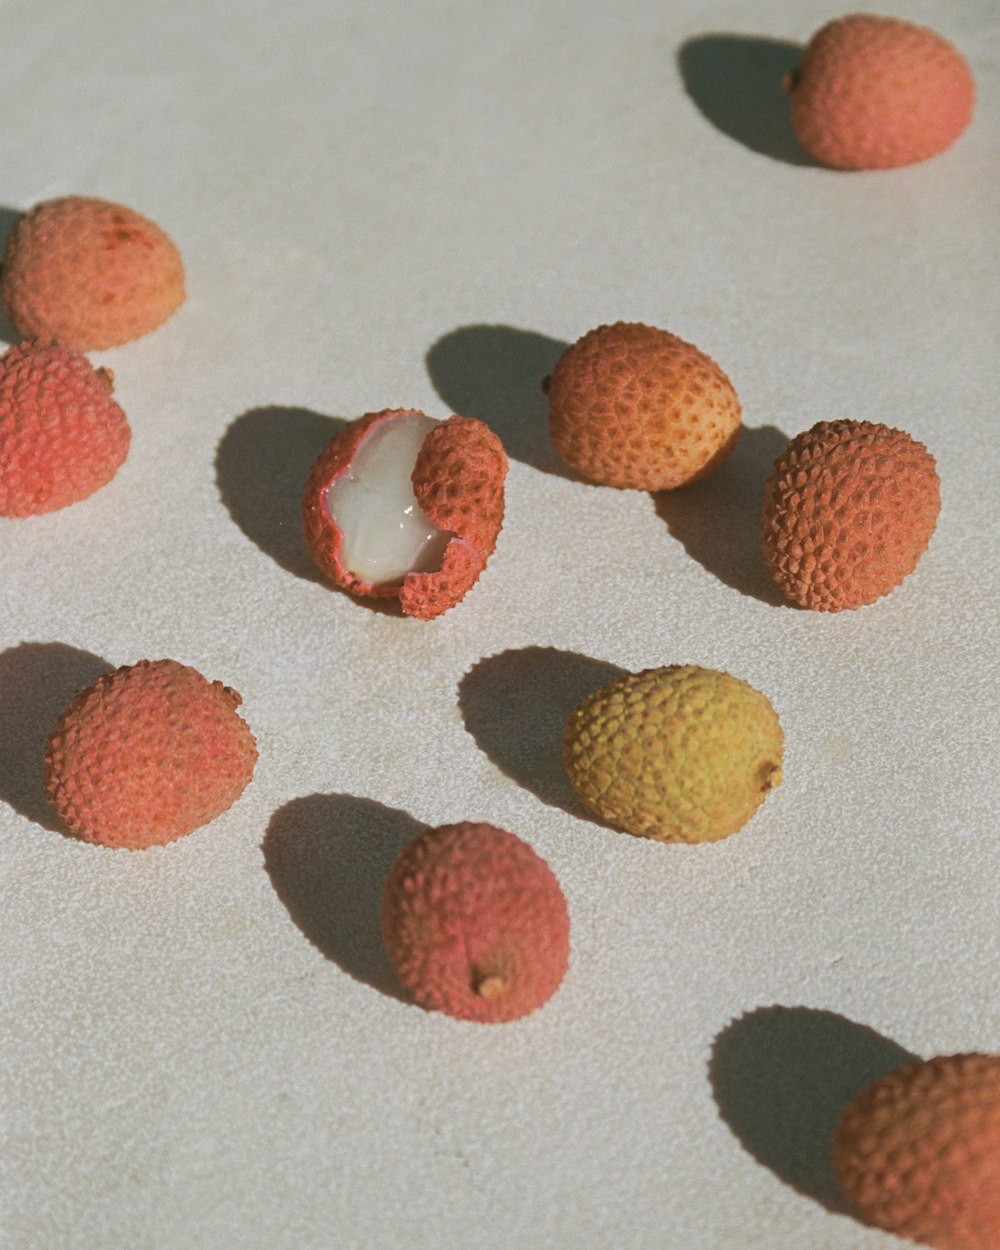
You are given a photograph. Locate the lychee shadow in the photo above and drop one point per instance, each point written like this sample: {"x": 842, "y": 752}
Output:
{"x": 737, "y": 83}
{"x": 781, "y": 1077}
{"x": 717, "y": 520}
{"x": 495, "y": 373}
{"x": 261, "y": 466}
{"x": 8, "y": 216}
{"x": 328, "y": 857}
{"x": 515, "y": 705}
{"x": 38, "y": 680}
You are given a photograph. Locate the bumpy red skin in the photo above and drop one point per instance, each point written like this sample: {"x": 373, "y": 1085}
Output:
{"x": 638, "y": 408}
{"x": 62, "y": 436}
{"x": 848, "y": 512}
{"x": 879, "y": 93}
{"x": 469, "y": 908}
{"x": 458, "y": 480}
{"x": 148, "y": 754}
{"x": 89, "y": 273}
{"x": 918, "y": 1152}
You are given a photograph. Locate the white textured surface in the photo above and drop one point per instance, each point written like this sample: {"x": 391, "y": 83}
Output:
{"x": 384, "y": 204}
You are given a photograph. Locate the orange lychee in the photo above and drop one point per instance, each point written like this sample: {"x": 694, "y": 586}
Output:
{"x": 399, "y": 505}
{"x": 147, "y": 754}
{"x": 877, "y": 93}
{"x": 62, "y": 436}
{"x": 89, "y": 273}
{"x": 475, "y": 923}
{"x": 918, "y": 1152}
{"x": 848, "y": 512}
{"x": 637, "y": 407}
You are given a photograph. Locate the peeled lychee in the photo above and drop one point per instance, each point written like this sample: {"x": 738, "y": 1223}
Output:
{"x": 62, "y": 436}
{"x": 848, "y": 512}
{"x": 475, "y": 923}
{"x": 147, "y": 754}
{"x": 634, "y": 406}
{"x": 918, "y": 1152}
{"x": 878, "y": 92}
{"x": 679, "y": 754}
{"x": 89, "y": 273}
{"x": 401, "y": 506}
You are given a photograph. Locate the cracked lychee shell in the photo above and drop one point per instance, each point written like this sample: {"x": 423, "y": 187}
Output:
{"x": 848, "y": 512}
{"x": 637, "y": 407}
{"x": 678, "y": 754}
{"x": 918, "y": 1152}
{"x": 878, "y": 93}
{"x": 402, "y": 506}
{"x": 62, "y": 436}
{"x": 90, "y": 273}
{"x": 475, "y": 923}
{"x": 148, "y": 754}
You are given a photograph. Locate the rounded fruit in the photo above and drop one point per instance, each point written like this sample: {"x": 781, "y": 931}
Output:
{"x": 475, "y": 923}
{"x": 848, "y": 511}
{"x": 147, "y": 754}
{"x": 89, "y": 273}
{"x": 918, "y": 1152}
{"x": 399, "y": 505}
{"x": 62, "y": 436}
{"x": 877, "y": 93}
{"x": 679, "y": 754}
{"x": 636, "y": 407}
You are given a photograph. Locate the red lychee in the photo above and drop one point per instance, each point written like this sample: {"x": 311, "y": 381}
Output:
{"x": 62, "y": 436}
{"x": 399, "y": 505}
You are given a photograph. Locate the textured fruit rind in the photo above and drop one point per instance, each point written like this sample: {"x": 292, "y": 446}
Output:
{"x": 679, "y": 754}
{"x": 878, "y": 93}
{"x": 918, "y": 1152}
{"x": 848, "y": 512}
{"x": 475, "y": 923}
{"x": 458, "y": 480}
{"x": 147, "y": 754}
{"x": 62, "y": 436}
{"x": 636, "y": 407}
{"x": 89, "y": 273}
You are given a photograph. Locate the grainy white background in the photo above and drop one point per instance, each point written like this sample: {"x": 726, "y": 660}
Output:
{"x": 382, "y": 204}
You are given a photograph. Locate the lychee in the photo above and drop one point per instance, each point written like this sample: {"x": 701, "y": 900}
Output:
{"x": 89, "y": 273}
{"x": 62, "y": 436}
{"x": 147, "y": 754}
{"x": 399, "y": 505}
{"x": 877, "y": 92}
{"x": 475, "y": 923}
{"x": 918, "y": 1152}
{"x": 679, "y": 754}
{"x": 848, "y": 512}
{"x": 634, "y": 406}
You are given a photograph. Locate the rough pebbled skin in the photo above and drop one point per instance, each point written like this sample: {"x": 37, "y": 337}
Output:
{"x": 62, "y": 436}
{"x": 147, "y": 754}
{"x": 918, "y": 1152}
{"x": 469, "y": 909}
{"x": 848, "y": 512}
{"x": 679, "y": 754}
{"x": 878, "y": 93}
{"x": 458, "y": 480}
{"x": 636, "y": 407}
{"x": 89, "y": 273}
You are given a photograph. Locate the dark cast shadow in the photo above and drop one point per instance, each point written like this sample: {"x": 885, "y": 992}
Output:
{"x": 495, "y": 373}
{"x": 8, "y": 216}
{"x": 328, "y": 857}
{"x": 515, "y": 705}
{"x": 781, "y": 1076}
{"x": 717, "y": 520}
{"x": 38, "y": 680}
{"x": 261, "y": 466}
{"x": 737, "y": 83}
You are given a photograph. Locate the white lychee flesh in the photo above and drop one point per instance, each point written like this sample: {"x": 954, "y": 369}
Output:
{"x": 386, "y": 534}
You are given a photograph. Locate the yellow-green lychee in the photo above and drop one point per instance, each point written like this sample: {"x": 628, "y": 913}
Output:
{"x": 679, "y": 754}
